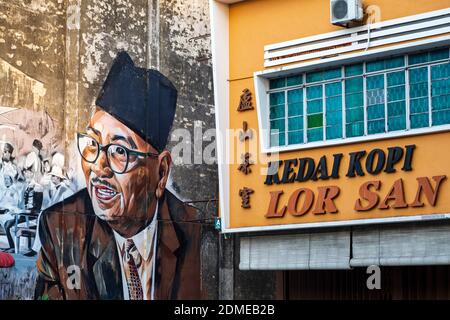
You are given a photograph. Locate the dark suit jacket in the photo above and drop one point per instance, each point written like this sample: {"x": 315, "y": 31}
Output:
{"x": 72, "y": 235}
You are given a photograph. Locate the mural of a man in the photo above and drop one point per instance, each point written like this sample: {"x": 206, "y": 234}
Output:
{"x": 123, "y": 236}
{"x": 9, "y": 201}
{"x": 34, "y": 158}
{"x": 7, "y": 165}
{"x": 31, "y": 201}
{"x": 57, "y": 190}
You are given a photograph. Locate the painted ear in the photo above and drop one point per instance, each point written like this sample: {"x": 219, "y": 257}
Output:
{"x": 164, "y": 168}
{"x": 160, "y": 189}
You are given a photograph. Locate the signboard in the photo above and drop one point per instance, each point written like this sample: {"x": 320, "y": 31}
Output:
{"x": 277, "y": 87}
{"x": 378, "y": 181}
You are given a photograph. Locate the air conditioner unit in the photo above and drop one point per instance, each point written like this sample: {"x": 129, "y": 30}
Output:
{"x": 343, "y": 12}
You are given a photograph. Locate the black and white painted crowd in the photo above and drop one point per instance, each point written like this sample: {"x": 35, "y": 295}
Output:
{"x": 30, "y": 183}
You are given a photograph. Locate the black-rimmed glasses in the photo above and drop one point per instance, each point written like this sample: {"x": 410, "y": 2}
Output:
{"x": 118, "y": 156}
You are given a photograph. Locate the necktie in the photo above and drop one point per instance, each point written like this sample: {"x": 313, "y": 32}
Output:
{"x": 132, "y": 262}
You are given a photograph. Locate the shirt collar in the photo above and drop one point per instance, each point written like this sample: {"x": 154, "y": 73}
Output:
{"x": 142, "y": 240}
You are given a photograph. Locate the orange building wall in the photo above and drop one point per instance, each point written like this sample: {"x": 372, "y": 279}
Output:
{"x": 254, "y": 24}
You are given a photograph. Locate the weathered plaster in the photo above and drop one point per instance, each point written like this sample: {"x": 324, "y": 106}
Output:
{"x": 56, "y": 54}
{"x": 29, "y": 95}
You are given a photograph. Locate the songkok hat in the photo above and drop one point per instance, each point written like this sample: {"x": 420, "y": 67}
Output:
{"x": 142, "y": 99}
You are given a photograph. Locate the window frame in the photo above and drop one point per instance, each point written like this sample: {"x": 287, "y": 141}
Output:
{"x": 408, "y": 131}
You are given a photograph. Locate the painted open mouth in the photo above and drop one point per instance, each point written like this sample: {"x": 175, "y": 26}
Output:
{"x": 104, "y": 193}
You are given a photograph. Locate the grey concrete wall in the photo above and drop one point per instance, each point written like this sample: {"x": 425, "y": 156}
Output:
{"x": 32, "y": 50}
{"x": 55, "y": 54}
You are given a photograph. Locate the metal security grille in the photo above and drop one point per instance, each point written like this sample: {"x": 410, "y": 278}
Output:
{"x": 397, "y": 283}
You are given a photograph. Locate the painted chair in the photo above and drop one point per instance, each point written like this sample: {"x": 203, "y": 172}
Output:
{"x": 27, "y": 228}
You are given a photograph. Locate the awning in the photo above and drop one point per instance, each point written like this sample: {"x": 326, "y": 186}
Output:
{"x": 383, "y": 245}
{"x": 398, "y": 245}
{"x": 324, "y": 250}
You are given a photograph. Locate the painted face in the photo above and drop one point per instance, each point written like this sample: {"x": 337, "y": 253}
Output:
{"x": 8, "y": 181}
{"x": 29, "y": 175}
{"x": 47, "y": 167}
{"x": 56, "y": 180}
{"x": 6, "y": 154}
{"x": 120, "y": 198}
